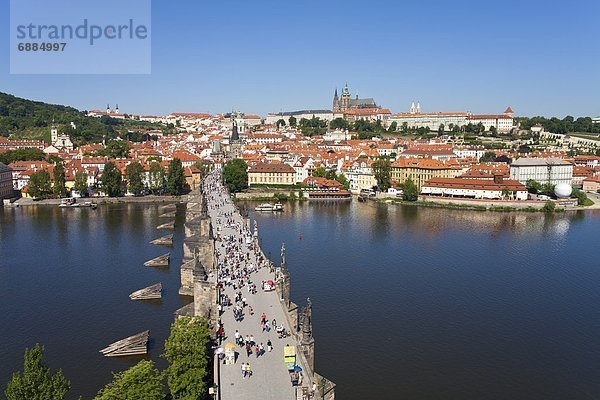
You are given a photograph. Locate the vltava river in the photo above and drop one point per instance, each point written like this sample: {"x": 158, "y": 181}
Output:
{"x": 408, "y": 302}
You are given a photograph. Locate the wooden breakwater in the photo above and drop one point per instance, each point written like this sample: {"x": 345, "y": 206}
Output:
{"x": 132, "y": 345}
{"x": 164, "y": 240}
{"x": 150, "y": 292}
{"x": 160, "y": 261}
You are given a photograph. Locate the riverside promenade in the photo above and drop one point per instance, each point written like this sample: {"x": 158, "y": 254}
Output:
{"x": 239, "y": 256}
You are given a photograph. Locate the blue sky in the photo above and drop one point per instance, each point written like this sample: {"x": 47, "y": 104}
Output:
{"x": 539, "y": 57}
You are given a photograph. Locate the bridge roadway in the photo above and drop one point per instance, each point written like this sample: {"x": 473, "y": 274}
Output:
{"x": 270, "y": 378}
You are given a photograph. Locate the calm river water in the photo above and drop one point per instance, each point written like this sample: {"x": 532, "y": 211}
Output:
{"x": 408, "y": 302}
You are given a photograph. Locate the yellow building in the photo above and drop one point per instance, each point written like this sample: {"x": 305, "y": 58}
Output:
{"x": 420, "y": 170}
{"x": 271, "y": 174}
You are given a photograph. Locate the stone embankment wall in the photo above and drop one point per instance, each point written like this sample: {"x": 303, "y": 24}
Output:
{"x": 264, "y": 194}
{"x": 485, "y": 203}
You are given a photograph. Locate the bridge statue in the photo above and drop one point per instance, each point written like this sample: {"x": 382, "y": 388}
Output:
{"x": 306, "y": 322}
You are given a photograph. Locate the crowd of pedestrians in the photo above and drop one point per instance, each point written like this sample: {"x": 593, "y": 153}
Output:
{"x": 239, "y": 259}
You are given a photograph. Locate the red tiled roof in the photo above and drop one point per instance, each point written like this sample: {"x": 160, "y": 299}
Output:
{"x": 272, "y": 168}
{"x": 474, "y": 184}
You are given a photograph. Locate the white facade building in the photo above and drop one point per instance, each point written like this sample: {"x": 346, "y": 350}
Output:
{"x": 469, "y": 151}
{"x": 474, "y": 189}
{"x": 428, "y": 120}
{"x": 544, "y": 170}
{"x": 303, "y": 167}
{"x": 502, "y": 122}
{"x": 326, "y": 115}
{"x": 417, "y": 119}
{"x": 360, "y": 176}
{"x": 61, "y": 142}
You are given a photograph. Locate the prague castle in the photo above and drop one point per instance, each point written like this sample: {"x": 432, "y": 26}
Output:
{"x": 346, "y": 102}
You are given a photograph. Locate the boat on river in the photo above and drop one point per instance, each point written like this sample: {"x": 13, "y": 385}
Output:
{"x": 269, "y": 207}
{"x": 71, "y": 202}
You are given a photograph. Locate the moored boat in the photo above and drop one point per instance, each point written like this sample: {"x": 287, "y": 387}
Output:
{"x": 269, "y": 207}
{"x": 71, "y": 202}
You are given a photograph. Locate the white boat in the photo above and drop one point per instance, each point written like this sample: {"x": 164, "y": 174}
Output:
{"x": 269, "y": 207}
{"x": 68, "y": 202}
{"x": 72, "y": 203}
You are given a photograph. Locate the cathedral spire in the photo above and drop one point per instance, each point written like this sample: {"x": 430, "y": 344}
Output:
{"x": 234, "y": 133}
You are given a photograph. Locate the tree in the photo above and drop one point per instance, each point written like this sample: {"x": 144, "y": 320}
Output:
{"x": 393, "y": 127}
{"x": 235, "y": 175}
{"x": 187, "y": 351}
{"x": 341, "y": 178}
{"x": 59, "y": 180}
{"x": 581, "y": 197}
{"x": 143, "y": 381}
{"x": 441, "y": 129}
{"x": 36, "y": 382}
{"x": 319, "y": 172}
{"x": 410, "y": 192}
{"x": 339, "y": 123}
{"x": 330, "y": 174}
{"x": 549, "y": 206}
{"x": 280, "y": 122}
{"x": 313, "y": 126}
{"x": 382, "y": 170}
{"x": 39, "y": 185}
{"x": 157, "y": 178}
{"x": 506, "y": 193}
{"x": 503, "y": 159}
{"x": 405, "y": 127}
{"x": 203, "y": 166}
{"x": 175, "y": 178}
{"x": 81, "y": 185}
{"x": 116, "y": 149}
{"x": 111, "y": 180}
{"x": 21, "y": 155}
{"x": 524, "y": 149}
{"x": 489, "y": 156}
{"x": 533, "y": 186}
{"x": 133, "y": 174}
{"x": 547, "y": 189}
{"x": 292, "y": 121}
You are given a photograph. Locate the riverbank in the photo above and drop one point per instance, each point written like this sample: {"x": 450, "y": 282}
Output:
{"x": 458, "y": 206}
{"x": 103, "y": 200}
{"x": 483, "y": 205}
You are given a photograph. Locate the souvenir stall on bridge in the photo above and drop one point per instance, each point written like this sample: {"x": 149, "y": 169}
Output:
{"x": 289, "y": 358}
{"x": 229, "y": 354}
{"x": 268, "y": 286}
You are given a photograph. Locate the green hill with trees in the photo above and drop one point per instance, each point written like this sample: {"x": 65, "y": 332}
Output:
{"x": 27, "y": 119}
{"x": 566, "y": 125}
